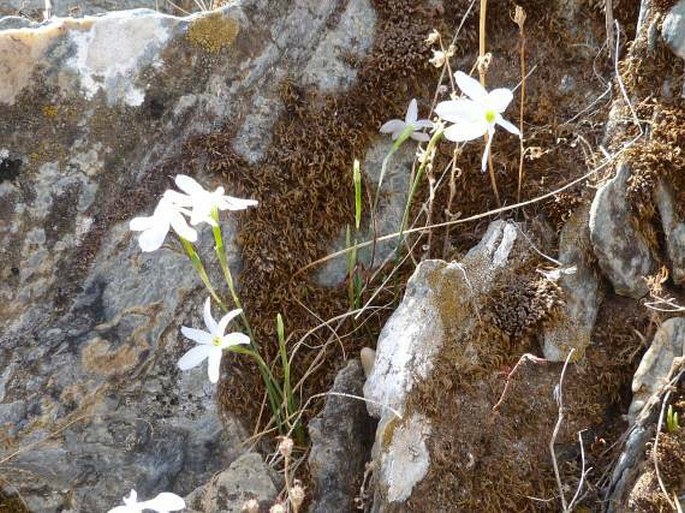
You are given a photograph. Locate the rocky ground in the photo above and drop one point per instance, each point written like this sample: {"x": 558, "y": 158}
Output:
{"x": 528, "y": 350}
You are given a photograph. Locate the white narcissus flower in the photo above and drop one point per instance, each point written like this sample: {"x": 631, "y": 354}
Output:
{"x": 163, "y": 503}
{"x": 203, "y": 201}
{"x": 477, "y": 115}
{"x": 410, "y": 127}
{"x": 211, "y": 342}
{"x": 168, "y": 214}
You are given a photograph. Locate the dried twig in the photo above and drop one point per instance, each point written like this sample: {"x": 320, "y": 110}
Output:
{"x": 524, "y": 357}
{"x": 609, "y": 25}
{"x": 520, "y": 19}
{"x": 559, "y": 395}
{"x": 655, "y": 460}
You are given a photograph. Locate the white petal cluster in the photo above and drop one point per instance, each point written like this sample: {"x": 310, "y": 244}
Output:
{"x": 163, "y": 503}
{"x": 397, "y": 127}
{"x": 195, "y": 202}
{"x": 476, "y": 115}
{"x": 211, "y": 343}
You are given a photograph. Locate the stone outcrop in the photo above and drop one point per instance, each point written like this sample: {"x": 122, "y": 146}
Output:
{"x": 95, "y": 113}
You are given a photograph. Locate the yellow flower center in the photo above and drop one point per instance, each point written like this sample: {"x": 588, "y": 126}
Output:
{"x": 490, "y": 116}
{"x": 216, "y": 341}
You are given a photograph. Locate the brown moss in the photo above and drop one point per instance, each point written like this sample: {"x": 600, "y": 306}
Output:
{"x": 213, "y": 32}
{"x": 522, "y": 305}
{"x": 483, "y": 462}
{"x": 12, "y": 504}
{"x": 647, "y": 495}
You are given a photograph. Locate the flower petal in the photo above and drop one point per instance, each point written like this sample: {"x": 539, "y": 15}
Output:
{"x": 199, "y": 336}
{"x": 412, "y": 112}
{"x": 231, "y": 203}
{"x": 420, "y": 136}
{"x": 486, "y": 152}
{"x": 180, "y": 226}
{"x": 393, "y": 126}
{"x": 181, "y": 200}
{"x": 234, "y": 339}
{"x": 139, "y": 224}
{"x": 461, "y": 132}
{"x": 499, "y": 99}
{"x": 470, "y": 86}
{"x": 195, "y": 356}
{"x": 209, "y": 320}
{"x": 423, "y": 123}
{"x": 509, "y": 127}
{"x": 201, "y": 212}
{"x": 223, "y": 322}
{"x": 188, "y": 185}
{"x": 214, "y": 363}
{"x": 153, "y": 238}
{"x": 164, "y": 502}
{"x": 458, "y": 111}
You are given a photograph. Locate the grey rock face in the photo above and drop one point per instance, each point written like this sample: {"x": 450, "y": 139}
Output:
{"x": 34, "y": 9}
{"x": 656, "y": 364}
{"x": 674, "y": 229}
{"x": 673, "y": 29}
{"x": 622, "y": 252}
{"x": 580, "y": 284}
{"x": 409, "y": 345}
{"x": 341, "y": 435}
{"x": 247, "y": 478}
{"x": 414, "y": 334}
{"x": 95, "y": 112}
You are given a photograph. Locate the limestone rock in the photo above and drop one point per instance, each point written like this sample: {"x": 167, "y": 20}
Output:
{"x": 95, "y": 112}
{"x": 341, "y": 435}
{"x": 404, "y": 460}
{"x": 673, "y": 29}
{"x": 622, "y": 252}
{"x": 580, "y": 284}
{"x": 654, "y": 369}
{"x": 674, "y": 229}
{"x": 247, "y": 478}
{"x": 414, "y": 334}
{"x": 34, "y": 9}
{"x": 441, "y": 305}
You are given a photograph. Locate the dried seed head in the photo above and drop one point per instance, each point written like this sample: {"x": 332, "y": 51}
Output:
{"x": 438, "y": 59}
{"x": 297, "y": 495}
{"x": 277, "y": 508}
{"x": 285, "y": 447}
{"x": 433, "y": 37}
{"x": 251, "y": 506}
{"x": 519, "y": 16}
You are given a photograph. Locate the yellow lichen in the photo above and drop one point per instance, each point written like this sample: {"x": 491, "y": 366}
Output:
{"x": 213, "y": 32}
{"x": 50, "y": 111}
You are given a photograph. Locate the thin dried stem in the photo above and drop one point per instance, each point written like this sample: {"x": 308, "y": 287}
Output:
{"x": 659, "y": 425}
{"x": 524, "y": 357}
{"x": 559, "y": 394}
{"x": 520, "y": 19}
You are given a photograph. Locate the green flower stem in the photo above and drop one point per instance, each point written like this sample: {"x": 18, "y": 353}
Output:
{"x": 228, "y": 277}
{"x": 274, "y": 393}
{"x": 288, "y": 397}
{"x": 404, "y": 135}
{"x": 419, "y": 174}
{"x": 200, "y": 270}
